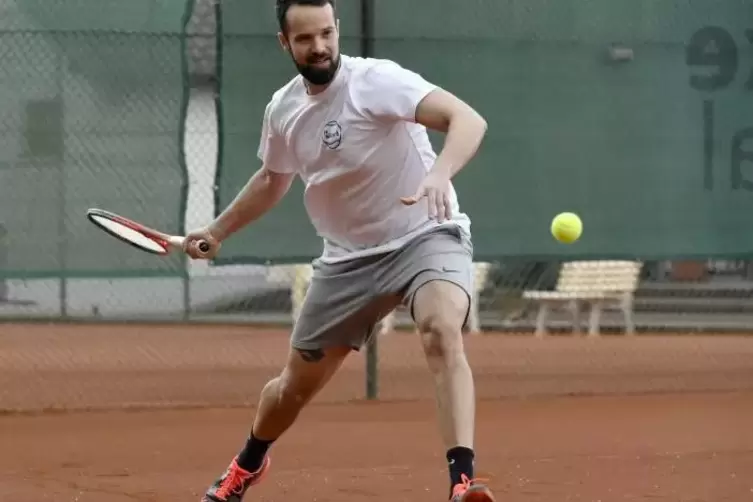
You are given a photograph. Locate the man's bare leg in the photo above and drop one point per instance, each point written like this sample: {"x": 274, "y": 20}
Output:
{"x": 281, "y": 401}
{"x": 440, "y": 309}
{"x": 283, "y": 398}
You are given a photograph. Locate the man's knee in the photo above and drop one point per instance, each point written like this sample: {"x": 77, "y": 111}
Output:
{"x": 440, "y": 309}
{"x": 439, "y": 336}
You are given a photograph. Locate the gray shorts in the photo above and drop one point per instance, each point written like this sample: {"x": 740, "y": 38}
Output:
{"x": 345, "y": 301}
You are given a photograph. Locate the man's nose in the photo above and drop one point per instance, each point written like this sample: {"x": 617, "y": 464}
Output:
{"x": 320, "y": 47}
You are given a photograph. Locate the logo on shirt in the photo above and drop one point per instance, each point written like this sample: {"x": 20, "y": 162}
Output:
{"x": 333, "y": 135}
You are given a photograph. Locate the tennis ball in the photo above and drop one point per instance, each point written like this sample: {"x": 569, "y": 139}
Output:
{"x": 567, "y": 227}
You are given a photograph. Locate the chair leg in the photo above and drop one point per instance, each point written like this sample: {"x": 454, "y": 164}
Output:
{"x": 387, "y": 324}
{"x": 480, "y": 272}
{"x": 594, "y": 319}
{"x": 294, "y": 302}
{"x": 627, "y": 311}
{"x": 541, "y": 319}
{"x": 474, "y": 325}
{"x": 575, "y": 311}
{"x": 299, "y": 288}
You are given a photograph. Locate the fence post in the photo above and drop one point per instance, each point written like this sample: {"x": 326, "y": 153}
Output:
{"x": 372, "y": 355}
{"x": 3, "y": 264}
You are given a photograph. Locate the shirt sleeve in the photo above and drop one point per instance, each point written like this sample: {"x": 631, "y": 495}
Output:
{"x": 272, "y": 148}
{"x": 391, "y": 92}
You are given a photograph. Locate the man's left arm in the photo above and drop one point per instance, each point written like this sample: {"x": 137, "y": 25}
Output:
{"x": 392, "y": 93}
{"x": 465, "y": 128}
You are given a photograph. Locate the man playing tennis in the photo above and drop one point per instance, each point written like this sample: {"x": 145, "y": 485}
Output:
{"x": 355, "y": 131}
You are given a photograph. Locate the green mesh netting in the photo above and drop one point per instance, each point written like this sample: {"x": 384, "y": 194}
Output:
{"x": 92, "y": 94}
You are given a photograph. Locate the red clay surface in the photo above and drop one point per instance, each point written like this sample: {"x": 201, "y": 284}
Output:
{"x": 649, "y": 418}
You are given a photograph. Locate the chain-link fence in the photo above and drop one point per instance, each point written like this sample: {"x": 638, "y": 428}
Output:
{"x": 126, "y": 114}
{"x": 136, "y": 112}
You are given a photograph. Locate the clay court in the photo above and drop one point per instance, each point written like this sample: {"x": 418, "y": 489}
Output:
{"x": 114, "y": 413}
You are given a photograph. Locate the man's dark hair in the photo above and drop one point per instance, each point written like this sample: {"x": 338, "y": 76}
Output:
{"x": 284, "y": 5}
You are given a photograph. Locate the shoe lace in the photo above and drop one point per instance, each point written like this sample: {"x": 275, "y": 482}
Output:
{"x": 233, "y": 482}
{"x": 465, "y": 483}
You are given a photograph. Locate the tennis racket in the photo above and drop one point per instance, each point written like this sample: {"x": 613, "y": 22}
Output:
{"x": 138, "y": 235}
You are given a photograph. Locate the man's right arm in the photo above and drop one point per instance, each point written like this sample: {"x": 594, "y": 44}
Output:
{"x": 262, "y": 192}
{"x": 266, "y": 187}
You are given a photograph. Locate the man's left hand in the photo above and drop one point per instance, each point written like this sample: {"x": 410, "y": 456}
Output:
{"x": 436, "y": 189}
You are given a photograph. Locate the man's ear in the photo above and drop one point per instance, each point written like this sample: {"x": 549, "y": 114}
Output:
{"x": 283, "y": 42}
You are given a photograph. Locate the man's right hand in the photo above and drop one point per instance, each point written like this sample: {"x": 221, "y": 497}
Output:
{"x": 191, "y": 244}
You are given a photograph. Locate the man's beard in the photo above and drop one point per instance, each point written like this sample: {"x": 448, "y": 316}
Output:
{"x": 319, "y": 76}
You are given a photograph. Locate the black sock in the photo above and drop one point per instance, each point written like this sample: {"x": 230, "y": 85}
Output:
{"x": 460, "y": 461}
{"x": 252, "y": 455}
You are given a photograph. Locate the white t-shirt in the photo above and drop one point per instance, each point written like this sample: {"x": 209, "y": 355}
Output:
{"x": 358, "y": 149}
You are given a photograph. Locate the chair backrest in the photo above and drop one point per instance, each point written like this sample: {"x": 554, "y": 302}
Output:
{"x": 614, "y": 276}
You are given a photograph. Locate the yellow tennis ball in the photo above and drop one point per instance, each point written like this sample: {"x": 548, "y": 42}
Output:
{"x": 567, "y": 227}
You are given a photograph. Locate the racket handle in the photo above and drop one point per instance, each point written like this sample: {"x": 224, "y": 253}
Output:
{"x": 204, "y": 246}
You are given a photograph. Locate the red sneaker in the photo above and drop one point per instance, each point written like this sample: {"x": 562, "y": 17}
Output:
{"x": 471, "y": 490}
{"x": 232, "y": 485}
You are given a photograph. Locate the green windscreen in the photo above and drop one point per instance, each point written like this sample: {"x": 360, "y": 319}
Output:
{"x": 93, "y": 96}
{"x": 653, "y": 150}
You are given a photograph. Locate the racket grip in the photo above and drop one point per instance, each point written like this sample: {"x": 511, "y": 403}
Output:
{"x": 204, "y": 246}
